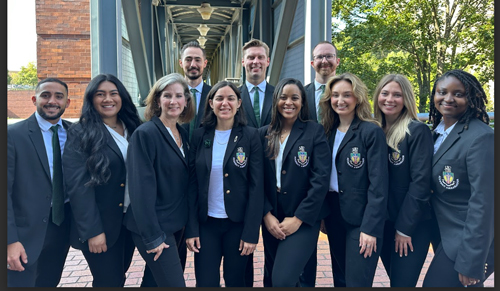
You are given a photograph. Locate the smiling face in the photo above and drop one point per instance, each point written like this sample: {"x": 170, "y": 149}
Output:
{"x": 343, "y": 100}
{"x": 225, "y": 104}
{"x": 450, "y": 99}
{"x": 390, "y": 100}
{"x": 107, "y": 101}
{"x": 290, "y": 102}
{"x": 193, "y": 63}
{"x": 51, "y": 100}
{"x": 325, "y": 67}
{"x": 255, "y": 62}
{"x": 172, "y": 101}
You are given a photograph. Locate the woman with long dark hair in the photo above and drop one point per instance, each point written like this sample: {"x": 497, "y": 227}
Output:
{"x": 296, "y": 171}
{"x": 226, "y": 193}
{"x": 409, "y": 144}
{"x": 462, "y": 182}
{"x": 358, "y": 179}
{"x": 157, "y": 168}
{"x": 96, "y": 181}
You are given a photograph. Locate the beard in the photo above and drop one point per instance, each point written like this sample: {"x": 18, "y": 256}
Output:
{"x": 45, "y": 116}
{"x": 195, "y": 74}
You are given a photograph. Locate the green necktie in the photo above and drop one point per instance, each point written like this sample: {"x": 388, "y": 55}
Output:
{"x": 193, "y": 121}
{"x": 322, "y": 87}
{"x": 256, "y": 107}
{"x": 57, "y": 179}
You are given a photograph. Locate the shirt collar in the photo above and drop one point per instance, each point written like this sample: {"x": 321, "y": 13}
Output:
{"x": 44, "y": 124}
{"x": 198, "y": 88}
{"x": 261, "y": 86}
{"x": 440, "y": 128}
{"x": 317, "y": 85}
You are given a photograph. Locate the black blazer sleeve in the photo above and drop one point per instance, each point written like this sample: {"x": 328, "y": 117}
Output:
{"x": 268, "y": 206}
{"x": 420, "y": 151}
{"x": 82, "y": 198}
{"x": 192, "y": 226}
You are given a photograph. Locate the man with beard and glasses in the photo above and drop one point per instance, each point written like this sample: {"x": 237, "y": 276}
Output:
{"x": 193, "y": 61}
{"x": 38, "y": 212}
{"x": 325, "y": 62}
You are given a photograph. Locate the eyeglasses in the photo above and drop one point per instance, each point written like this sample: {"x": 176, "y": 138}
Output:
{"x": 320, "y": 57}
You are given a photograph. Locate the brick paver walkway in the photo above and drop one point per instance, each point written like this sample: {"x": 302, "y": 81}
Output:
{"x": 77, "y": 274}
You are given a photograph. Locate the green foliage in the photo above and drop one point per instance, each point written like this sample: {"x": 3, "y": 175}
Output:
{"x": 9, "y": 78}
{"x": 27, "y": 75}
{"x": 420, "y": 39}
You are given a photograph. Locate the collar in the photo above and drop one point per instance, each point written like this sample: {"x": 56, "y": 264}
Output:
{"x": 45, "y": 125}
{"x": 198, "y": 88}
{"x": 440, "y": 128}
{"x": 317, "y": 85}
{"x": 261, "y": 86}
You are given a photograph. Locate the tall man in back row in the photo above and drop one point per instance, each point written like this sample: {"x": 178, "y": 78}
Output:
{"x": 257, "y": 96}
{"x": 324, "y": 61}
{"x": 38, "y": 210}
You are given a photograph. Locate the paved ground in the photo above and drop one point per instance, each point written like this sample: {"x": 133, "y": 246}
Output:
{"x": 77, "y": 274}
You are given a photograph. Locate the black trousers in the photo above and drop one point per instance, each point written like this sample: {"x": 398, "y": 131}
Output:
{"x": 249, "y": 272}
{"x": 220, "y": 237}
{"x": 167, "y": 269}
{"x": 284, "y": 260}
{"x": 47, "y": 270}
{"x": 404, "y": 271}
{"x": 308, "y": 276}
{"x": 108, "y": 268}
{"x": 336, "y": 233}
{"x": 441, "y": 272}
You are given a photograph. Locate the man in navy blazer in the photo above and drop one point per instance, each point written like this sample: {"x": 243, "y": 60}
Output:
{"x": 325, "y": 62}
{"x": 256, "y": 60}
{"x": 36, "y": 246}
{"x": 193, "y": 61}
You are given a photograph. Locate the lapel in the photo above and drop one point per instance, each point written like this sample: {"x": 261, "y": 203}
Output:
{"x": 268, "y": 103}
{"x": 201, "y": 106}
{"x": 36, "y": 137}
{"x": 311, "y": 101}
{"x": 234, "y": 139}
{"x": 166, "y": 135}
{"x": 297, "y": 129}
{"x": 350, "y": 134}
{"x": 112, "y": 144}
{"x": 207, "y": 151}
{"x": 248, "y": 106}
{"x": 448, "y": 142}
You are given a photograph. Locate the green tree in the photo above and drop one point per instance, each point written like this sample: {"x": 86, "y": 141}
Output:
{"x": 27, "y": 75}
{"x": 9, "y": 78}
{"x": 418, "y": 38}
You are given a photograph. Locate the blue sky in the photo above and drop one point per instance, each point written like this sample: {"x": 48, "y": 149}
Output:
{"x": 21, "y": 33}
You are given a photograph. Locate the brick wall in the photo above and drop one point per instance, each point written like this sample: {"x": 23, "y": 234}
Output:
{"x": 63, "y": 46}
{"x": 19, "y": 104}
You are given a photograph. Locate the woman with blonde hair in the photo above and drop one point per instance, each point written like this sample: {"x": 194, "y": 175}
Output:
{"x": 409, "y": 155}
{"x": 358, "y": 180}
{"x": 158, "y": 175}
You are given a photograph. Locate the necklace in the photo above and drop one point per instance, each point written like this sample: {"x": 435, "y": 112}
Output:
{"x": 217, "y": 140}
{"x": 283, "y": 134}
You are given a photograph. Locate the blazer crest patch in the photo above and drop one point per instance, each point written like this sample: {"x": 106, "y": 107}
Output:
{"x": 355, "y": 160}
{"x": 302, "y": 160}
{"x": 448, "y": 180}
{"x": 241, "y": 159}
{"x": 396, "y": 158}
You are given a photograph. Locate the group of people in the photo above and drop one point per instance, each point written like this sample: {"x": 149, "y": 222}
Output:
{"x": 212, "y": 167}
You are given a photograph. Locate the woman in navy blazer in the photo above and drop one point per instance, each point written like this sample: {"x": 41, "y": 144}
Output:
{"x": 158, "y": 175}
{"x": 226, "y": 193}
{"x": 358, "y": 179}
{"x": 410, "y": 156}
{"x": 296, "y": 168}
{"x": 95, "y": 178}
{"x": 462, "y": 182}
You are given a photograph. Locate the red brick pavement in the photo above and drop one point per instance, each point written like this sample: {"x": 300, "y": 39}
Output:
{"x": 77, "y": 274}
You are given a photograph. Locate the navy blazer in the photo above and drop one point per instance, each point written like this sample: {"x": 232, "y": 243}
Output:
{"x": 158, "y": 178}
{"x": 305, "y": 173}
{"x": 311, "y": 101}
{"x": 265, "y": 117}
{"x": 198, "y": 118}
{"x": 95, "y": 209}
{"x": 463, "y": 196}
{"x": 362, "y": 172}
{"x": 243, "y": 175}
{"x": 29, "y": 186}
{"x": 410, "y": 178}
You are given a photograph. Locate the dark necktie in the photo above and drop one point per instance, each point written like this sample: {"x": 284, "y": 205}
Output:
{"x": 256, "y": 107}
{"x": 322, "y": 87}
{"x": 193, "y": 121}
{"x": 57, "y": 179}
{"x": 435, "y": 135}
